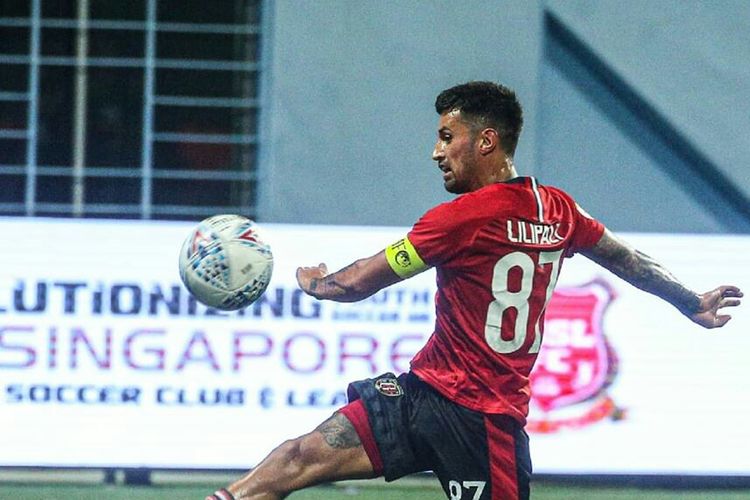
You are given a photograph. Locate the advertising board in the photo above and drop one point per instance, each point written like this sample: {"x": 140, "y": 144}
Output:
{"x": 106, "y": 361}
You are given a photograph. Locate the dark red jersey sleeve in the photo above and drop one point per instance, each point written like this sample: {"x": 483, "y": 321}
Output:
{"x": 588, "y": 231}
{"x": 442, "y": 233}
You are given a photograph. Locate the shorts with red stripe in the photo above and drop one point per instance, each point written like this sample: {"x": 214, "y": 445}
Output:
{"x": 406, "y": 426}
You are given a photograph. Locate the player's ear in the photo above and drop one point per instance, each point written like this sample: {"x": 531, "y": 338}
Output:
{"x": 489, "y": 140}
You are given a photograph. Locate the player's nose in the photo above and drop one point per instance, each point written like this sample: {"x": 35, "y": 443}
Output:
{"x": 437, "y": 152}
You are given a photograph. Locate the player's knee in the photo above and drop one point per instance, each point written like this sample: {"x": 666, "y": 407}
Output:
{"x": 295, "y": 454}
{"x": 288, "y": 451}
{"x": 301, "y": 453}
{"x": 310, "y": 451}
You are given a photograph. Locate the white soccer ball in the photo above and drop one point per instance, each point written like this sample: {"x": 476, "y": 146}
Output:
{"x": 224, "y": 263}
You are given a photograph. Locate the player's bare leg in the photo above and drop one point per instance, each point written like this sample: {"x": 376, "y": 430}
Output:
{"x": 332, "y": 452}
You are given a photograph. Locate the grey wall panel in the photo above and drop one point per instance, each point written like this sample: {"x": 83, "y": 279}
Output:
{"x": 586, "y": 147}
{"x": 623, "y": 154}
{"x": 688, "y": 60}
{"x": 351, "y": 116}
{"x": 349, "y": 122}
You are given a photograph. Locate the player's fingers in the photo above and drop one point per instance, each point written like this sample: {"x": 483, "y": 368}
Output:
{"x": 729, "y": 303}
{"x": 721, "y": 320}
{"x": 303, "y": 274}
{"x": 730, "y": 291}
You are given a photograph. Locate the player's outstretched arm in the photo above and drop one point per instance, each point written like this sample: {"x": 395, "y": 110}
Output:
{"x": 642, "y": 271}
{"x": 356, "y": 281}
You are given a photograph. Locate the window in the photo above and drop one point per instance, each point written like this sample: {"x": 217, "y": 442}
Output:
{"x": 138, "y": 109}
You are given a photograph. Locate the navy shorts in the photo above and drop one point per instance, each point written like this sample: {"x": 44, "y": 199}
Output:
{"x": 476, "y": 456}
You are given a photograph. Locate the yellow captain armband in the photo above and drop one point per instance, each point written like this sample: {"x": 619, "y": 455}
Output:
{"x": 404, "y": 259}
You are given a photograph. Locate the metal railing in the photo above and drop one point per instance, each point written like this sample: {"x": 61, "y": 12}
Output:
{"x": 41, "y": 131}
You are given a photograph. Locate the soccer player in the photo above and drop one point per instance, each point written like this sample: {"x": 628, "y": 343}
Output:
{"x": 498, "y": 249}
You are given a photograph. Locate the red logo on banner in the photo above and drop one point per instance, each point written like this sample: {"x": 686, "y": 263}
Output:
{"x": 576, "y": 363}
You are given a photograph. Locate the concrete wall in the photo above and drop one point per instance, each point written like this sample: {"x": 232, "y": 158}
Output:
{"x": 351, "y": 119}
{"x": 670, "y": 155}
{"x": 350, "y": 124}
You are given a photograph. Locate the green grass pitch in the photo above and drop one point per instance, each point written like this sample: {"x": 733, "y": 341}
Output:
{"x": 347, "y": 491}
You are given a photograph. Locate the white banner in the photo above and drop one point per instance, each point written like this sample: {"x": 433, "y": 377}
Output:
{"x": 106, "y": 361}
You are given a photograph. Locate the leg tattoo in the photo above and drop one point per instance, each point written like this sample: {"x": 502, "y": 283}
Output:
{"x": 339, "y": 432}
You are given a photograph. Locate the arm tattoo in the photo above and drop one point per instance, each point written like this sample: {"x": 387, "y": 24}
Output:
{"x": 339, "y": 432}
{"x": 643, "y": 272}
{"x": 329, "y": 286}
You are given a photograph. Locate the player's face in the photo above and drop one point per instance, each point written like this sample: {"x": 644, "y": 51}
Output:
{"x": 456, "y": 153}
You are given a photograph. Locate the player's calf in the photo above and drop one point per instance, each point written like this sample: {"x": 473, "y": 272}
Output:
{"x": 330, "y": 453}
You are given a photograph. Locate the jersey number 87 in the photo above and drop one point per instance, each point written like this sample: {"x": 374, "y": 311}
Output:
{"x": 519, "y": 300}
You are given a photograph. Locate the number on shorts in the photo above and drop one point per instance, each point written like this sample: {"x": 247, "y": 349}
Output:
{"x": 519, "y": 300}
{"x": 456, "y": 491}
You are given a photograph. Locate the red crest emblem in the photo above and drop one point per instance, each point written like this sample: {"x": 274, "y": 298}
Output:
{"x": 576, "y": 364}
{"x": 388, "y": 387}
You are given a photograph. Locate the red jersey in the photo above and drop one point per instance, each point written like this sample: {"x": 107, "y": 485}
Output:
{"x": 497, "y": 252}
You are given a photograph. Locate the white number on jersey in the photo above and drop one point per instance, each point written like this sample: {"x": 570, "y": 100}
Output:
{"x": 519, "y": 300}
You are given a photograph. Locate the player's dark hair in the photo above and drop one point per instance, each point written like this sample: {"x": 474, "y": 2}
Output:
{"x": 486, "y": 104}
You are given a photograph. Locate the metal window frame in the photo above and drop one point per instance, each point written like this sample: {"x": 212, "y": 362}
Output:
{"x": 150, "y": 65}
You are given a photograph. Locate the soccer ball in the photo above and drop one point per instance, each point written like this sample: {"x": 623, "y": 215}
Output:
{"x": 224, "y": 263}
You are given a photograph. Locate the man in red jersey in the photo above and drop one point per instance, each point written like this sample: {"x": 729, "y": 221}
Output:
{"x": 497, "y": 249}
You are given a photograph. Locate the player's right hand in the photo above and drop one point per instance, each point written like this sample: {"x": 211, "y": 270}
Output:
{"x": 711, "y": 302}
{"x": 308, "y": 277}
